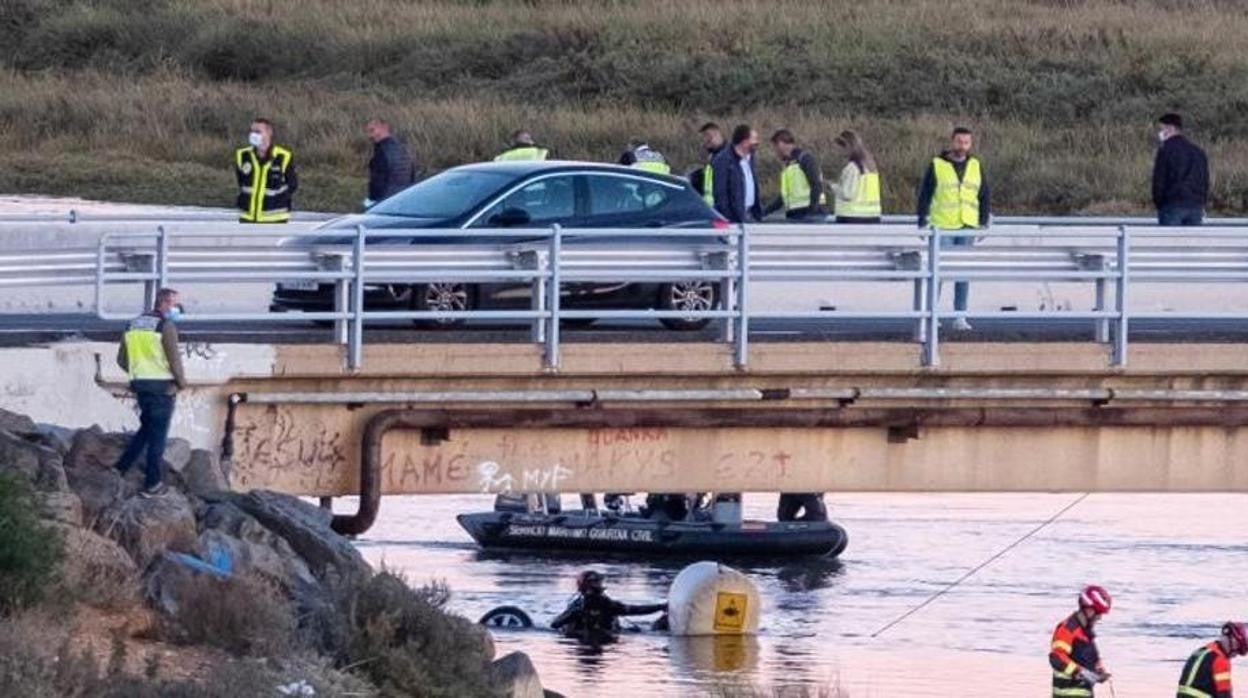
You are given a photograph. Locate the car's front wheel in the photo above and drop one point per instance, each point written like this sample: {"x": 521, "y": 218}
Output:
{"x": 688, "y": 296}
{"x": 443, "y": 296}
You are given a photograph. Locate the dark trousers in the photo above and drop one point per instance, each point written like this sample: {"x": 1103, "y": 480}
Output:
{"x": 156, "y": 400}
{"x": 1180, "y": 216}
{"x": 809, "y": 503}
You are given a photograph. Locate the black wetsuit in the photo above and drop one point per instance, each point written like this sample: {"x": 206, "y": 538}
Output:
{"x": 590, "y": 614}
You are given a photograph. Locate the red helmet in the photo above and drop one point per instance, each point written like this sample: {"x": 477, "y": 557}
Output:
{"x": 1238, "y": 638}
{"x": 1096, "y": 598}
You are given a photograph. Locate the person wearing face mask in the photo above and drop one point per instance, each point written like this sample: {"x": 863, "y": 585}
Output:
{"x": 1180, "y": 176}
{"x": 954, "y": 197}
{"x": 1073, "y": 655}
{"x": 149, "y": 355}
{"x": 1207, "y": 673}
{"x": 735, "y": 181}
{"x": 266, "y": 175}
{"x": 703, "y": 178}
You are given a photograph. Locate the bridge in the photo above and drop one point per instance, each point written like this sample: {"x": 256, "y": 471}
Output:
{"x": 1106, "y": 357}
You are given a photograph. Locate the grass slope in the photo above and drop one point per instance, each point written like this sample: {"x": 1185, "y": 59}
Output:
{"x": 144, "y": 100}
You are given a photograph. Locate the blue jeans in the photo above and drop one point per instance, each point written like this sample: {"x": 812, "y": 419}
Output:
{"x": 156, "y": 400}
{"x": 1178, "y": 215}
{"x": 961, "y": 289}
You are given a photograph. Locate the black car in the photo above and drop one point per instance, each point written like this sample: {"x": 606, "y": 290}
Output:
{"x": 529, "y": 195}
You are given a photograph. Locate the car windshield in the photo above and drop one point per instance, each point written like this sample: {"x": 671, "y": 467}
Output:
{"x": 444, "y": 195}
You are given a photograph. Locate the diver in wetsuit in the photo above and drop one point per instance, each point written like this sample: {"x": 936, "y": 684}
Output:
{"x": 592, "y": 612}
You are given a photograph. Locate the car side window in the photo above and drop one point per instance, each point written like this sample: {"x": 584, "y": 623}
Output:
{"x": 546, "y": 201}
{"x": 610, "y": 196}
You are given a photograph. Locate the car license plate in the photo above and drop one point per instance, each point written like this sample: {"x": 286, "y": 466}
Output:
{"x": 297, "y": 286}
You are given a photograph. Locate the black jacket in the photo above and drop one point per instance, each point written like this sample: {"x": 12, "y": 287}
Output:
{"x": 928, "y": 189}
{"x": 729, "y": 186}
{"x": 810, "y": 167}
{"x": 1180, "y": 175}
{"x": 598, "y": 614}
{"x": 391, "y": 170}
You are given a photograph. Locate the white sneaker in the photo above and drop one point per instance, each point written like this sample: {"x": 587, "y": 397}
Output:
{"x": 961, "y": 325}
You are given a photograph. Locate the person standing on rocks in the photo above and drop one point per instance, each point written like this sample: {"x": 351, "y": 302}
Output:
{"x": 149, "y": 355}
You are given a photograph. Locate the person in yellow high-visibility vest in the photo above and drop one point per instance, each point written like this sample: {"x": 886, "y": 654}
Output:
{"x": 523, "y": 147}
{"x": 856, "y": 195}
{"x": 703, "y": 178}
{"x": 266, "y": 175}
{"x": 641, "y": 156}
{"x": 149, "y": 355}
{"x": 954, "y": 197}
{"x": 801, "y": 183}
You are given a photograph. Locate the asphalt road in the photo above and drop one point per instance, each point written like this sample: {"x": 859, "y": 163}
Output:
{"x": 24, "y": 330}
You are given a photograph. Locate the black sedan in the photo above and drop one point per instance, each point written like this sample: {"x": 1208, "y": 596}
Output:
{"x": 529, "y": 195}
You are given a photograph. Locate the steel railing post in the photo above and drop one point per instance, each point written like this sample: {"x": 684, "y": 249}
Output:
{"x": 342, "y": 297}
{"x": 743, "y": 298}
{"x": 541, "y": 267}
{"x": 162, "y": 257}
{"x": 1102, "y": 324}
{"x": 355, "y": 350}
{"x": 101, "y": 246}
{"x": 931, "y": 347}
{"x": 1121, "y": 301}
{"x": 554, "y": 303}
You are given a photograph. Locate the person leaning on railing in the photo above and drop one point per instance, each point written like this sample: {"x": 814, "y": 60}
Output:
{"x": 954, "y": 196}
{"x": 266, "y": 175}
{"x": 856, "y": 195}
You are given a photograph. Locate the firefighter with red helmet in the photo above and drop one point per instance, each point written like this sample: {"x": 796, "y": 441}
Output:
{"x": 1076, "y": 662}
{"x": 1207, "y": 673}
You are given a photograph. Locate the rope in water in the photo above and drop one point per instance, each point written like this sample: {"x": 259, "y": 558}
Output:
{"x": 982, "y": 565}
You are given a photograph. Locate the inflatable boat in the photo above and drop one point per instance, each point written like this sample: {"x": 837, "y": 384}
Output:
{"x": 610, "y": 533}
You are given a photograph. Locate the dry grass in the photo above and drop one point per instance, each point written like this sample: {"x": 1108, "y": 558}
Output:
{"x": 145, "y": 104}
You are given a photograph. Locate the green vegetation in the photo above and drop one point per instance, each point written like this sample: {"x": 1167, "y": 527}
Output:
{"x": 30, "y": 552}
{"x": 144, "y": 99}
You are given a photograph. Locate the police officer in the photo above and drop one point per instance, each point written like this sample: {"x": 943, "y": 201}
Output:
{"x": 1073, "y": 655}
{"x": 1207, "y": 673}
{"x": 523, "y": 147}
{"x": 593, "y": 613}
{"x": 954, "y": 196}
{"x": 801, "y": 184}
{"x": 149, "y": 355}
{"x": 643, "y": 157}
{"x": 267, "y": 181}
{"x": 703, "y": 178}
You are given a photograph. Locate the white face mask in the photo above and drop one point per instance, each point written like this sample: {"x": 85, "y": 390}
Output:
{"x": 255, "y": 139}
{"x": 1162, "y": 135}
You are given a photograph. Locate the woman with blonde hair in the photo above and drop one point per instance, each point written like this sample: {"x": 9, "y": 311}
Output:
{"x": 857, "y": 191}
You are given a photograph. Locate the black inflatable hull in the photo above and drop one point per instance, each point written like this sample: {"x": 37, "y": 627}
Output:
{"x": 576, "y": 532}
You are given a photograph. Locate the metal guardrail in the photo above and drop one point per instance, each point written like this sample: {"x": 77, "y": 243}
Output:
{"x": 1112, "y": 260}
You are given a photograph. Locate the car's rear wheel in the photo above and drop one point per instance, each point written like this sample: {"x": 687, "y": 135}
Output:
{"x": 443, "y": 296}
{"x": 689, "y": 296}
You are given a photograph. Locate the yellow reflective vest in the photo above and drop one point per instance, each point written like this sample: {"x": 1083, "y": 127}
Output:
{"x": 145, "y": 355}
{"x": 522, "y": 152}
{"x": 795, "y": 188}
{"x": 955, "y": 204}
{"x": 866, "y": 200}
{"x": 708, "y": 185}
{"x": 264, "y": 189}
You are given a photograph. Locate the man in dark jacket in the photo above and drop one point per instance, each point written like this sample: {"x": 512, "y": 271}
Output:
{"x": 735, "y": 181}
{"x": 1180, "y": 176}
{"x": 391, "y": 170}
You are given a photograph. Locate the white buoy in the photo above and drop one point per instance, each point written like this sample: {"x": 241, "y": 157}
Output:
{"x": 708, "y": 598}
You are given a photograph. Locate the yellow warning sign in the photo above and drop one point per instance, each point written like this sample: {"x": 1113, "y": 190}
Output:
{"x": 730, "y": 610}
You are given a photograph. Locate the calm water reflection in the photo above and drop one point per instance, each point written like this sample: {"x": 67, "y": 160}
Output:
{"x": 1176, "y": 565}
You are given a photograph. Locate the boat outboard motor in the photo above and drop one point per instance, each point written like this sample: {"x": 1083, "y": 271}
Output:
{"x": 708, "y": 598}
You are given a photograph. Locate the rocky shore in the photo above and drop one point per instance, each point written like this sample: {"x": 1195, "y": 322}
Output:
{"x": 208, "y": 592}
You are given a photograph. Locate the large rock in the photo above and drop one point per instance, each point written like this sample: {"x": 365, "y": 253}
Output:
{"x": 18, "y": 424}
{"x": 330, "y": 556}
{"x": 177, "y": 455}
{"x": 146, "y": 527}
{"x": 98, "y": 570}
{"x": 251, "y": 547}
{"x": 25, "y": 455}
{"x": 99, "y": 488}
{"x": 64, "y": 507}
{"x": 204, "y": 474}
{"x": 516, "y": 677}
{"x": 94, "y": 449}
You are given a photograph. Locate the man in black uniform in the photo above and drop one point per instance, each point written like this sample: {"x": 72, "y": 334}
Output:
{"x": 592, "y": 612}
